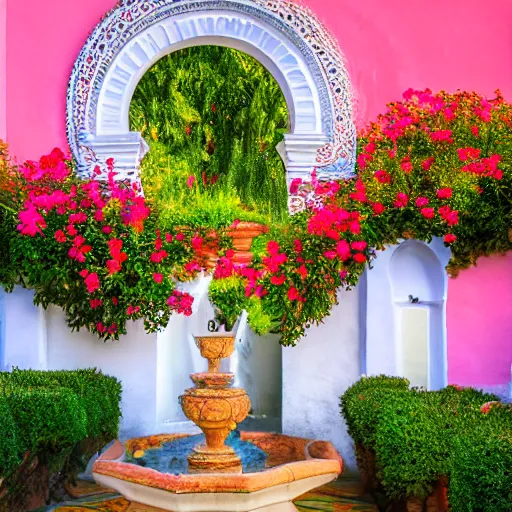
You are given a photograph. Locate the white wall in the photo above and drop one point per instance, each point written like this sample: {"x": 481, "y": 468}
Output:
{"x": 318, "y": 370}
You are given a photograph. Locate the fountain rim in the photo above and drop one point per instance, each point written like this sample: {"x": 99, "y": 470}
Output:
{"x": 111, "y": 464}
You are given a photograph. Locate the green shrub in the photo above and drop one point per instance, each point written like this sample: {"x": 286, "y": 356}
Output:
{"x": 360, "y": 403}
{"x": 481, "y": 470}
{"x": 11, "y": 453}
{"x": 98, "y": 394}
{"x": 418, "y": 436}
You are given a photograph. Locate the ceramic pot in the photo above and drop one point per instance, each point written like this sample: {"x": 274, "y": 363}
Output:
{"x": 214, "y": 347}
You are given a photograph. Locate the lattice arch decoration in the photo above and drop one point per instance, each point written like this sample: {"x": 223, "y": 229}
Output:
{"x": 285, "y": 37}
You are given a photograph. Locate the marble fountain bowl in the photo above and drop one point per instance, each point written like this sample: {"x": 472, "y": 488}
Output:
{"x": 291, "y": 467}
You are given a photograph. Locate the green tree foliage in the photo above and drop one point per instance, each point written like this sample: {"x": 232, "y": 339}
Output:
{"x": 218, "y": 114}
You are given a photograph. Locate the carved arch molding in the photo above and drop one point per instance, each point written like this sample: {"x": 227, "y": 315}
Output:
{"x": 285, "y": 37}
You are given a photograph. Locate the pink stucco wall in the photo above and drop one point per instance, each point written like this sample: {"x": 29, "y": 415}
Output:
{"x": 390, "y": 46}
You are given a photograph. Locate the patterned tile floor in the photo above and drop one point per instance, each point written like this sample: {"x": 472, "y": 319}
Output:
{"x": 343, "y": 495}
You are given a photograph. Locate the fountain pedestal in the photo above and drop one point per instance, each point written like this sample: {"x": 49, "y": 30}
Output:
{"x": 215, "y": 408}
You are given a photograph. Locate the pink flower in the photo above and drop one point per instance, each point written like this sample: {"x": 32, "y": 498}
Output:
{"x": 115, "y": 301}
{"x": 230, "y": 253}
{"x": 180, "y": 237}
{"x": 83, "y": 273}
{"x": 421, "y": 201}
{"x": 370, "y": 148}
{"x": 273, "y": 247}
{"x": 197, "y": 242}
{"x": 330, "y": 255}
{"x": 428, "y": 213}
{"x": 354, "y": 227}
{"x": 31, "y": 221}
{"x": 294, "y": 186}
{"x": 106, "y": 229}
{"x": 60, "y": 236}
{"x": 158, "y": 278}
{"x": 401, "y": 200}
{"x": 452, "y": 218}
{"x": 444, "y": 193}
{"x": 168, "y": 238}
{"x": 77, "y": 218}
{"x": 475, "y": 131}
{"x": 190, "y": 181}
{"x": 297, "y": 246}
{"x": 359, "y": 196}
{"x": 131, "y": 310}
{"x": 158, "y": 244}
{"x": 343, "y": 250}
{"x": 450, "y": 238}
{"x": 100, "y": 328}
{"x": 427, "y": 164}
{"x": 468, "y": 153}
{"x": 98, "y": 216}
{"x": 406, "y": 165}
{"x": 363, "y": 159}
{"x": 92, "y": 282}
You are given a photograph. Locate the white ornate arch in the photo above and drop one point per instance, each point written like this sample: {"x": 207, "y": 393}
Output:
{"x": 285, "y": 37}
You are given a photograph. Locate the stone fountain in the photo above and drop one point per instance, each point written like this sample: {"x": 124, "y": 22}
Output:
{"x": 168, "y": 473}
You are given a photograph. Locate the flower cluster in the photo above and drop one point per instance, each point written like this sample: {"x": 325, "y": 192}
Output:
{"x": 94, "y": 248}
{"x": 435, "y": 165}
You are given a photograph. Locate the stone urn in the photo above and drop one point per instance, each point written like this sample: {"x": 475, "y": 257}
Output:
{"x": 215, "y": 407}
{"x": 243, "y": 234}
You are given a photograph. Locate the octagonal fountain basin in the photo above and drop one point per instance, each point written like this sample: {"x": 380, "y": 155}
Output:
{"x": 277, "y": 469}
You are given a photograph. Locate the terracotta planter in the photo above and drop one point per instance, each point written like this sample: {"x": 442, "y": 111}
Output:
{"x": 243, "y": 235}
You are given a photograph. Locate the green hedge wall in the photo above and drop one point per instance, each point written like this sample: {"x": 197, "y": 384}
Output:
{"x": 57, "y": 416}
{"x": 415, "y": 437}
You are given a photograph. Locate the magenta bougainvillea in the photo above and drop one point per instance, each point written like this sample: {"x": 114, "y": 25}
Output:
{"x": 433, "y": 165}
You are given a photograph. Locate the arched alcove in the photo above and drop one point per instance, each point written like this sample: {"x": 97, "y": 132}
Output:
{"x": 285, "y": 37}
{"x": 406, "y": 313}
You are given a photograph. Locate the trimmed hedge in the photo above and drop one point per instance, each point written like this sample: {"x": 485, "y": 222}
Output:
{"x": 57, "y": 419}
{"x": 416, "y": 437}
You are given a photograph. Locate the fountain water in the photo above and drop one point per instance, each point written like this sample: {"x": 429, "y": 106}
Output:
{"x": 228, "y": 472}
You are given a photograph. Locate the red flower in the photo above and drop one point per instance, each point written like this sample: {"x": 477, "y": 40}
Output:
{"x": 106, "y": 229}
{"x": 158, "y": 278}
{"x": 31, "y": 221}
{"x": 83, "y": 273}
{"x": 382, "y": 176}
{"x": 442, "y": 136}
{"x": 401, "y": 200}
{"x": 77, "y": 218}
{"x": 230, "y": 253}
{"x": 60, "y": 236}
{"x": 180, "y": 237}
{"x": 92, "y": 282}
{"x": 444, "y": 193}
{"x": 330, "y": 255}
{"x": 190, "y": 181}
{"x": 100, "y": 327}
{"x": 303, "y": 271}
{"x": 95, "y": 303}
{"x": 359, "y": 258}
{"x": 297, "y": 246}
{"x": 359, "y": 196}
{"x": 421, "y": 202}
{"x": 158, "y": 257}
{"x": 168, "y": 238}
{"x": 115, "y": 301}
{"x": 428, "y": 213}
{"x": 452, "y": 218}
{"x": 113, "y": 266}
{"x": 197, "y": 242}
{"x": 475, "y": 131}
{"x": 359, "y": 246}
{"x": 293, "y": 294}
{"x": 98, "y": 216}
{"x": 158, "y": 244}
{"x": 449, "y": 238}
{"x": 278, "y": 280}
{"x": 378, "y": 208}
{"x": 131, "y": 310}
{"x": 355, "y": 227}
{"x": 468, "y": 153}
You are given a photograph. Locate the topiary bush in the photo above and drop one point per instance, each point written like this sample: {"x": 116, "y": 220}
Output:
{"x": 408, "y": 441}
{"x": 51, "y": 423}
